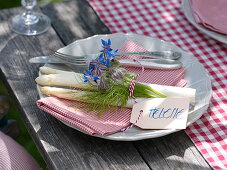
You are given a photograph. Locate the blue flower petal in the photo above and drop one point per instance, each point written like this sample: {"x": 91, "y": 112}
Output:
{"x": 109, "y": 42}
{"x": 103, "y": 42}
{"x": 88, "y": 72}
{"x": 110, "y": 54}
{"x": 96, "y": 78}
{"x": 100, "y": 57}
{"x": 107, "y": 63}
{"x": 103, "y": 62}
{"x": 92, "y": 68}
{"x": 115, "y": 51}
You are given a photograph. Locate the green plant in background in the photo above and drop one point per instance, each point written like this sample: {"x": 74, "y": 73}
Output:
{"x": 48, "y": 1}
{"x": 9, "y": 3}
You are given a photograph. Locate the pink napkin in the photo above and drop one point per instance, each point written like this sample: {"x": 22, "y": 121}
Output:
{"x": 211, "y": 14}
{"x": 71, "y": 113}
{"x": 112, "y": 121}
{"x": 162, "y": 77}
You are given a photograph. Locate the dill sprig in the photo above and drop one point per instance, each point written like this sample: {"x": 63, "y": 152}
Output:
{"x": 116, "y": 95}
{"x": 107, "y": 99}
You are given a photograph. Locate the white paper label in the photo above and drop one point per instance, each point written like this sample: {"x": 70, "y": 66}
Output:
{"x": 161, "y": 113}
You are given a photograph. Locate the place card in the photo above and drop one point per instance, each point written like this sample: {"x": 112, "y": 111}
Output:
{"x": 161, "y": 113}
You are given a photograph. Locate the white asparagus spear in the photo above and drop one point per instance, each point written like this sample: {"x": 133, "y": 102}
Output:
{"x": 65, "y": 79}
{"x": 76, "y": 95}
{"x": 48, "y": 70}
{"x": 57, "y": 77}
{"x": 173, "y": 91}
{"x": 63, "y": 93}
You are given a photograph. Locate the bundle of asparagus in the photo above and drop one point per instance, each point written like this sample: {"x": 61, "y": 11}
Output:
{"x": 104, "y": 85}
{"x": 54, "y": 77}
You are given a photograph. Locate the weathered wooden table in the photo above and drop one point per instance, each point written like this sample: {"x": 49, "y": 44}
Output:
{"x": 63, "y": 147}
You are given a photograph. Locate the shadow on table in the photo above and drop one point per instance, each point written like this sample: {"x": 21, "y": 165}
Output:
{"x": 174, "y": 150}
{"x": 85, "y": 21}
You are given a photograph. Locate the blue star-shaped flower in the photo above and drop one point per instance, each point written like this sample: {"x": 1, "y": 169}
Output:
{"x": 99, "y": 65}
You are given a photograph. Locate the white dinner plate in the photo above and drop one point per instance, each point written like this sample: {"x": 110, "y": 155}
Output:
{"x": 196, "y": 76}
{"x": 188, "y": 14}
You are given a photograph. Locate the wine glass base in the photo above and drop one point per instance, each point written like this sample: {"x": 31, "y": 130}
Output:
{"x": 20, "y": 25}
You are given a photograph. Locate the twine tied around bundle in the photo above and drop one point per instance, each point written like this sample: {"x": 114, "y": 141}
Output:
{"x": 131, "y": 90}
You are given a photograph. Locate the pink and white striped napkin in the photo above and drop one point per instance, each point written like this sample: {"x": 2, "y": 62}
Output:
{"x": 210, "y": 14}
{"x": 71, "y": 112}
{"x": 162, "y": 77}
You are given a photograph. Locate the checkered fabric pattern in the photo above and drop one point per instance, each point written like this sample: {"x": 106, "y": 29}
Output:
{"x": 165, "y": 20}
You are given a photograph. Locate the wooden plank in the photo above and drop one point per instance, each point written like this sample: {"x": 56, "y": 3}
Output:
{"x": 74, "y": 20}
{"x": 61, "y": 146}
{"x": 174, "y": 151}
{"x": 165, "y": 152}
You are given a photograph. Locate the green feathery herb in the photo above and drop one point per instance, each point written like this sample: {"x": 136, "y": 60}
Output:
{"x": 117, "y": 94}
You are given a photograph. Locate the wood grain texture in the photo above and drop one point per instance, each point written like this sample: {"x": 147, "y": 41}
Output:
{"x": 61, "y": 146}
{"x": 174, "y": 151}
{"x": 74, "y": 20}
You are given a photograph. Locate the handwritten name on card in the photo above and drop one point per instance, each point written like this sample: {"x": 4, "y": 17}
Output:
{"x": 161, "y": 113}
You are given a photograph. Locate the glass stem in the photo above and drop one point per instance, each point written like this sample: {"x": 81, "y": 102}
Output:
{"x": 29, "y": 17}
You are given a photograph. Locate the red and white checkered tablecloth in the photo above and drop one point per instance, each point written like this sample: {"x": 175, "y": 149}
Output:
{"x": 165, "y": 20}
